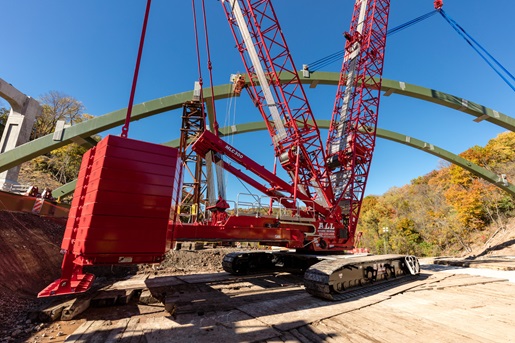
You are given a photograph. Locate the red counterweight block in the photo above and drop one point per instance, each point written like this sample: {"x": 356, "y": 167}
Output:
{"x": 125, "y": 193}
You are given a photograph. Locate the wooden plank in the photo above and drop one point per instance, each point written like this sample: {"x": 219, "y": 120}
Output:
{"x": 98, "y": 332}
{"x": 313, "y": 334}
{"x": 133, "y": 332}
{"x": 285, "y": 337}
{"x": 78, "y": 306}
{"x": 306, "y": 310}
{"x": 231, "y": 326}
{"x": 351, "y": 332}
{"x": 90, "y": 331}
{"x": 54, "y": 312}
{"x": 134, "y": 282}
{"x": 162, "y": 280}
{"x": 208, "y": 277}
{"x": 300, "y": 337}
{"x": 390, "y": 327}
{"x": 116, "y": 330}
{"x": 75, "y": 336}
{"x": 459, "y": 322}
{"x": 328, "y": 334}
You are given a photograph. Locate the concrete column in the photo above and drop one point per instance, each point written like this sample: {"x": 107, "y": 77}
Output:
{"x": 20, "y": 122}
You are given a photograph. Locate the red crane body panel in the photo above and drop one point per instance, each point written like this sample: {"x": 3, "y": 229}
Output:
{"x": 244, "y": 228}
{"x": 120, "y": 209}
{"x": 122, "y": 202}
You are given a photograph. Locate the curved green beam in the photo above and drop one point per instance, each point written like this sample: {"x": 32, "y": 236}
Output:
{"x": 80, "y": 133}
{"x": 386, "y": 134}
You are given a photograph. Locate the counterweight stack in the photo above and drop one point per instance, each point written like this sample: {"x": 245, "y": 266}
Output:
{"x": 125, "y": 186}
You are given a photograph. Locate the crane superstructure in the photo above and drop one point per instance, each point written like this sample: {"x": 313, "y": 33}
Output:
{"x": 329, "y": 182}
{"x": 352, "y": 132}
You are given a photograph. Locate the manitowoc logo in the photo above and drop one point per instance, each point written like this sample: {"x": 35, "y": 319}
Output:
{"x": 233, "y": 151}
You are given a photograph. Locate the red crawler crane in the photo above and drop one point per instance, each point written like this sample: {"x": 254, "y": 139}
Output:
{"x": 329, "y": 182}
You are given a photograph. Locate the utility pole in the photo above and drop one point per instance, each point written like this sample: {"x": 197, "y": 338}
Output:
{"x": 385, "y": 231}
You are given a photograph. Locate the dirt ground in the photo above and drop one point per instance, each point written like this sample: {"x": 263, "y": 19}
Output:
{"x": 30, "y": 260}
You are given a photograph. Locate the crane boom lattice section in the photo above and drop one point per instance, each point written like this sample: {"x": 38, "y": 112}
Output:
{"x": 284, "y": 106}
{"x": 352, "y": 132}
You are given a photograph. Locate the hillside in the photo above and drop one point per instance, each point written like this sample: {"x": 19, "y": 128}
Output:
{"x": 500, "y": 242}
{"x": 448, "y": 211}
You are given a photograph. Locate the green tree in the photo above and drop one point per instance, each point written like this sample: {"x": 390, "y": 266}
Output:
{"x": 62, "y": 163}
{"x": 4, "y": 113}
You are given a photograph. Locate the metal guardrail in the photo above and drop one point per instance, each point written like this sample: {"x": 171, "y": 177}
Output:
{"x": 16, "y": 189}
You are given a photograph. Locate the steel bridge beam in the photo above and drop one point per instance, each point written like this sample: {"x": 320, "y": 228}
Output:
{"x": 110, "y": 120}
{"x": 386, "y": 134}
{"x": 395, "y": 137}
{"x": 84, "y": 130}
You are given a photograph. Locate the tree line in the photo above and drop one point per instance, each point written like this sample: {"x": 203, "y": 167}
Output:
{"x": 445, "y": 211}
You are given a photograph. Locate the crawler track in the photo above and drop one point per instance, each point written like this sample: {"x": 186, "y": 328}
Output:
{"x": 251, "y": 262}
{"x": 327, "y": 277}
{"x": 330, "y": 279}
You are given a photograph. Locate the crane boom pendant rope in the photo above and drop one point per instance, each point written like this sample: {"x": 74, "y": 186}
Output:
{"x": 478, "y": 48}
{"x": 125, "y": 128}
{"x": 210, "y": 68}
{"x": 337, "y": 56}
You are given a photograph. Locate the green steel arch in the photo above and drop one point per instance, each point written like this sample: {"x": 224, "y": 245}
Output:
{"x": 386, "y": 134}
{"x": 81, "y": 132}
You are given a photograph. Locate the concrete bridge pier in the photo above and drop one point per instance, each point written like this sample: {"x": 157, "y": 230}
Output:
{"x": 20, "y": 122}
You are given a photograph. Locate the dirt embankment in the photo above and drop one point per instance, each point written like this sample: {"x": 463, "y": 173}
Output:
{"x": 29, "y": 260}
{"x": 495, "y": 241}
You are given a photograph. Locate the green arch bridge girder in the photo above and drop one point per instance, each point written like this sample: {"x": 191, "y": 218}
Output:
{"x": 386, "y": 134}
{"x": 81, "y": 132}
{"x": 392, "y": 136}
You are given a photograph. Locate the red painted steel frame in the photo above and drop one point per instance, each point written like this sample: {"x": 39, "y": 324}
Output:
{"x": 208, "y": 141}
{"x": 302, "y": 132}
{"x": 361, "y": 121}
{"x": 244, "y": 228}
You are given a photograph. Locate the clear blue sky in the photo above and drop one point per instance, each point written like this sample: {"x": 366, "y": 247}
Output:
{"x": 87, "y": 49}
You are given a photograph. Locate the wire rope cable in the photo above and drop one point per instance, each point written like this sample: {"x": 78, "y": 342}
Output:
{"x": 487, "y": 57}
{"x": 338, "y": 55}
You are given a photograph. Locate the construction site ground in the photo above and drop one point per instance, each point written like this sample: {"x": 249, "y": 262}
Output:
{"x": 190, "y": 299}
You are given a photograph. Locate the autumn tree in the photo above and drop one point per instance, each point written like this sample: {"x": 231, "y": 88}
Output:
{"x": 57, "y": 106}
{"x": 63, "y": 163}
